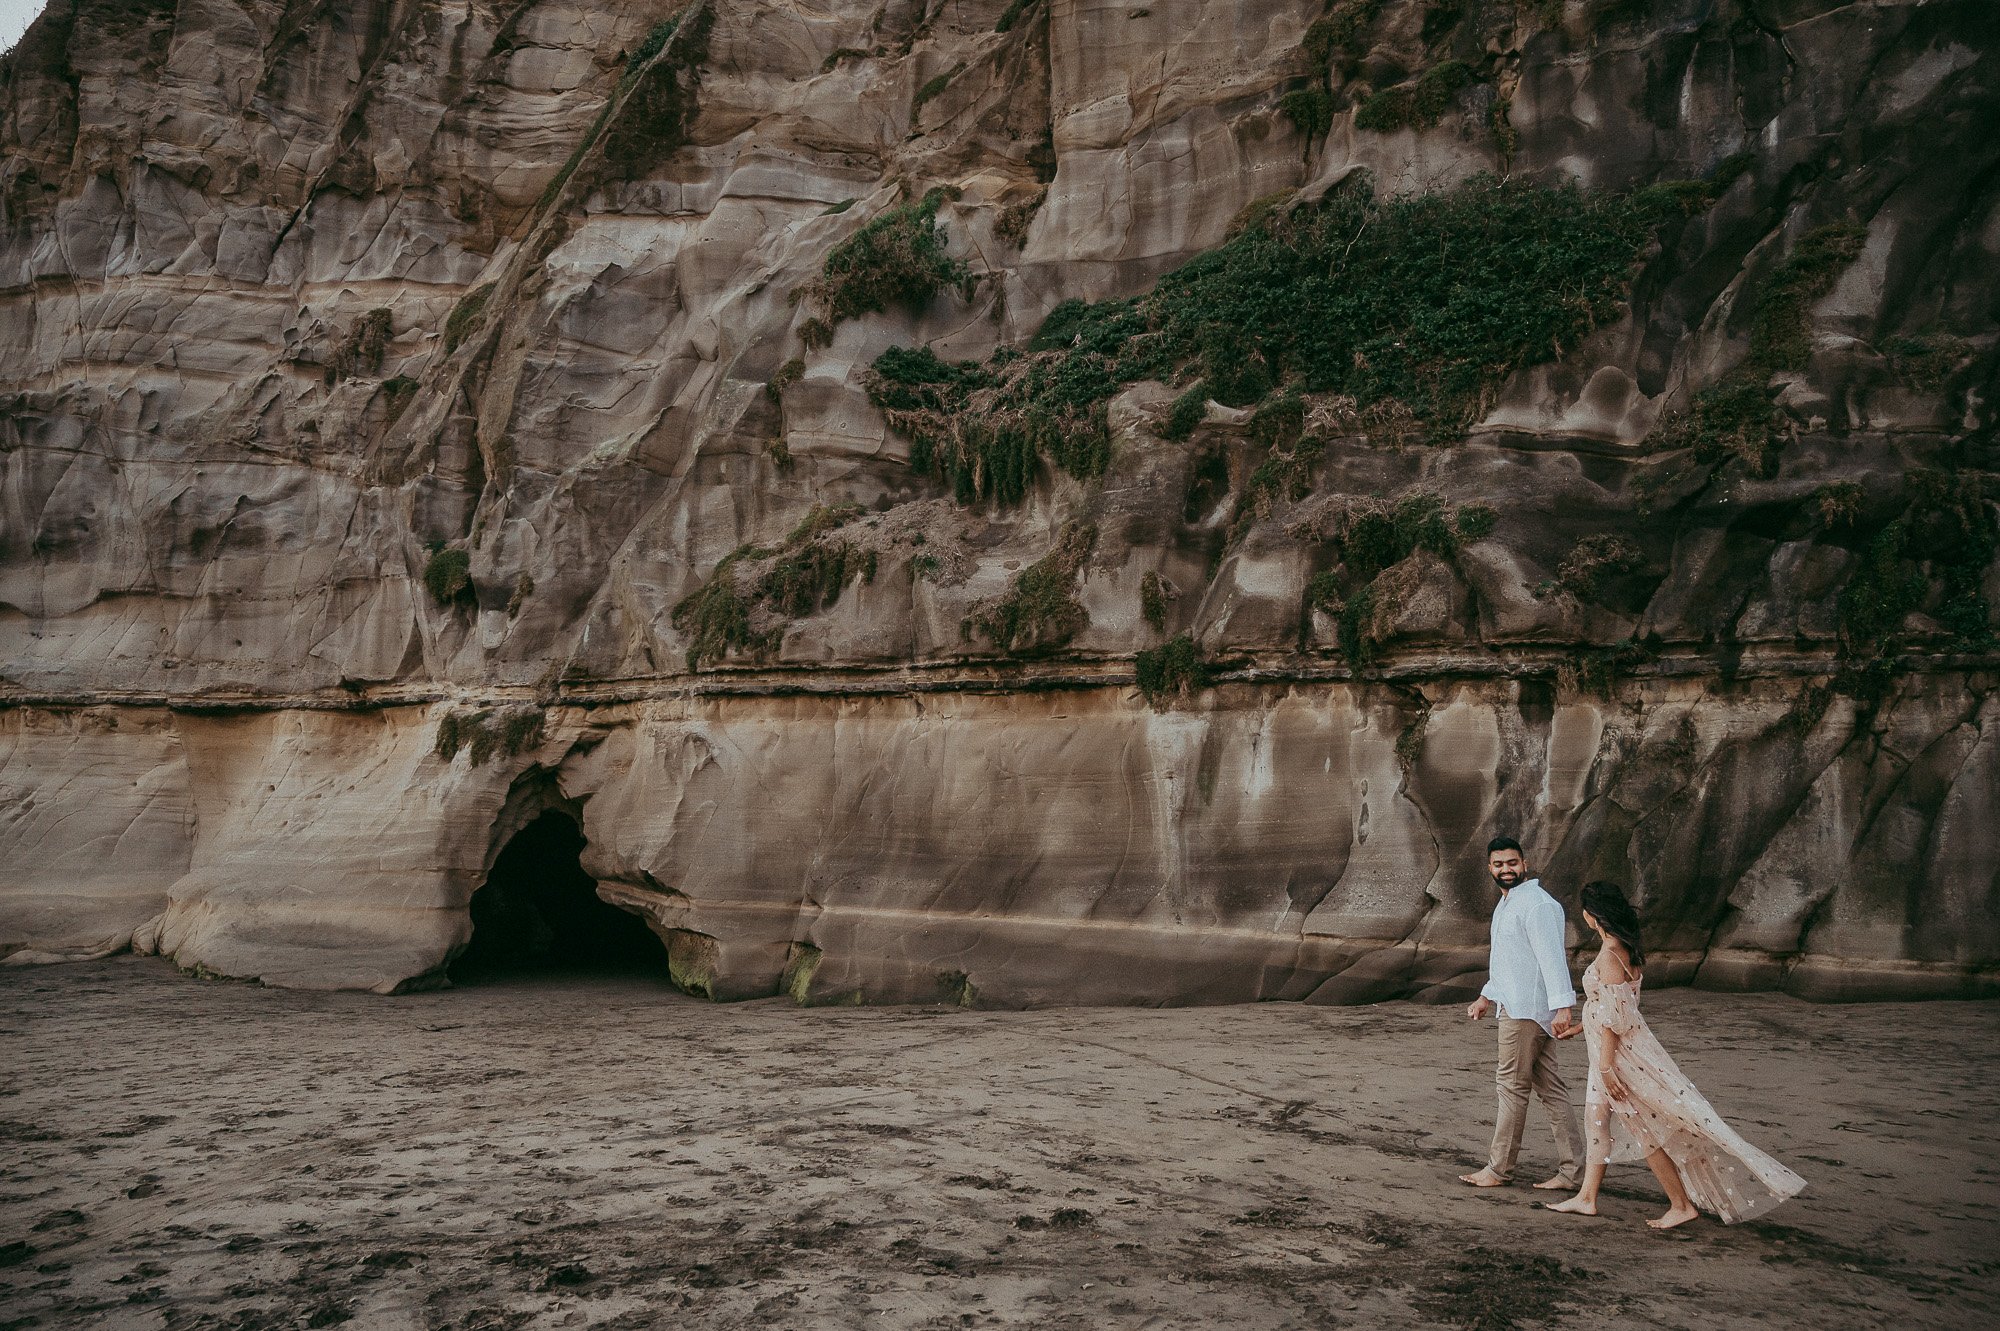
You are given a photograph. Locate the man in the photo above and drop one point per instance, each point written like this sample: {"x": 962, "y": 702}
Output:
{"x": 1528, "y": 981}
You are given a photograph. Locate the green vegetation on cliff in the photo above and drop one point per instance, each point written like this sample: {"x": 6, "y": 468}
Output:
{"x": 1429, "y": 300}
{"x": 1370, "y": 536}
{"x": 802, "y": 576}
{"x": 1040, "y": 612}
{"x": 1173, "y": 669}
{"x": 895, "y": 260}
{"x": 1738, "y": 416}
{"x": 655, "y": 102}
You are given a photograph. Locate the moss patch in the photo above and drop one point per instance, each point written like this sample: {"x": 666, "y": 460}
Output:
{"x": 1155, "y": 595}
{"x": 656, "y": 97}
{"x": 1781, "y": 334}
{"x": 932, "y": 87}
{"x": 1369, "y": 537}
{"x": 1945, "y": 537}
{"x": 1419, "y": 104}
{"x": 465, "y": 316}
{"x": 1040, "y": 612}
{"x": 801, "y": 962}
{"x": 802, "y": 576}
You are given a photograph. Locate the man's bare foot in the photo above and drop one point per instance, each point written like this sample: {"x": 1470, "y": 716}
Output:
{"x": 1556, "y": 1184}
{"x": 1485, "y": 1178}
{"x": 1574, "y": 1206}
{"x": 1678, "y": 1215}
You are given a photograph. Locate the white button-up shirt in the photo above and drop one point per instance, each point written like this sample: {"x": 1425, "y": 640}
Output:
{"x": 1528, "y": 972}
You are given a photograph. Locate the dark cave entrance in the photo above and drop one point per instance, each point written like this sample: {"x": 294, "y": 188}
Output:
{"x": 538, "y": 912}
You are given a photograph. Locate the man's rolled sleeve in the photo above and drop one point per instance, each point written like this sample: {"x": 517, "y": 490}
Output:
{"x": 1546, "y": 936}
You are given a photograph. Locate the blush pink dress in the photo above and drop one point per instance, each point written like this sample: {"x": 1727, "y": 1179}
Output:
{"x": 1724, "y": 1174}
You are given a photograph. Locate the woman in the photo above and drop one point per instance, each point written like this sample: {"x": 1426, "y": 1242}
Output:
{"x": 1640, "y": 1105}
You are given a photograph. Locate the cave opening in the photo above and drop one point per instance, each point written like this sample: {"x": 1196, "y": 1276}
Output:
{"x": 538, "y": 913}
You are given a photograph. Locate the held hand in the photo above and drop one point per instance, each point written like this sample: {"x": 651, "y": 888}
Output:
{"x": 1565, "y": 1025}
{"x": 1480, "y": 1007}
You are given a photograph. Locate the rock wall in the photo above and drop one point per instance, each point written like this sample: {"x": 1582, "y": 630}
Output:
{"x": 300, "y": 303}
{"x": 1320, "y": 842}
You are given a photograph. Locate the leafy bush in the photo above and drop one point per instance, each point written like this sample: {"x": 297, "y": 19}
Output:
{"x": 1946, "y": 533}
{"x": 397, "y": 395}
{"x": 1886, "y": 587}
{"x": 1311, "y": 109}
{"x": 448, "y": 575}
{"x": 1475, "y": 521}
{"x": 897, "y": 259}
{"x": 788, "y": 374}
{"x": 1352, "y": 295}
{"x": 1174, "y": 668}
{"x": 716, "y": 616}
{"x": 1927, "y": 361}
{"x": 1735, "y": 418}
{"x": 1371, "y": 536}
{"x": 1187, "y": 413}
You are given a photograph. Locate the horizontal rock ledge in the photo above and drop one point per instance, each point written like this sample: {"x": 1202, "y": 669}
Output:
{"x": 1510, "y": 662}
{"x": 1312, "y": 841}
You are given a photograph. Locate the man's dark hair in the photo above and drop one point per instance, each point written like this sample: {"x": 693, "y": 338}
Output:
{"x": 1503, "y": 843}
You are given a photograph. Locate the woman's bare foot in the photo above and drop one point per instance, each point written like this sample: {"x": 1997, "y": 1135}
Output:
{"x": 1574, "y": 1206}
{"x": 1556, "y": 1184}
{"x": 1678, "y": 1215}
{"x": 1485, "y": 1178}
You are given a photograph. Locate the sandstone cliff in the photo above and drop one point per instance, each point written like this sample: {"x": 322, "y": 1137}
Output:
{"x": 1572, "y": 417}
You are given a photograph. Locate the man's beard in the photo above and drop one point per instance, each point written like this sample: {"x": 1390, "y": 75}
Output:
{"x": 1506, "y": 880}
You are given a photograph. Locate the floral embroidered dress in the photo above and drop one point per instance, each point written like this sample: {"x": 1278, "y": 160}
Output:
{"x": 1724, "y": 1174}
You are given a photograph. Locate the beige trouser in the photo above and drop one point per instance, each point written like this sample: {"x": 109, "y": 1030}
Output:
{"x": 1528, "y": 1061}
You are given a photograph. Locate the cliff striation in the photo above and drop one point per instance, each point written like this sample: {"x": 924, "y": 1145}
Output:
{"x": 1005, "y": 500}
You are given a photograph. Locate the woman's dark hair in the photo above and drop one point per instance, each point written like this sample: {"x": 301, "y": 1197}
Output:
{"x": 1606, "y": 901}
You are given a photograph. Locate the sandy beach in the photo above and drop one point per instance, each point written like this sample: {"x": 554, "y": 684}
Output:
{"x": 605, "y": 1152}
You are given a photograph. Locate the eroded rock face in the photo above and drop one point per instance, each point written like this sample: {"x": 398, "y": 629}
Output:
{"x": 298, "y": 305}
